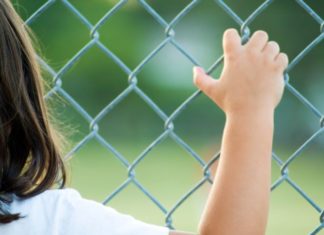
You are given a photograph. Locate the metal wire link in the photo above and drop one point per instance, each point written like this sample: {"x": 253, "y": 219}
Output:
{"x": 94, "y": 40}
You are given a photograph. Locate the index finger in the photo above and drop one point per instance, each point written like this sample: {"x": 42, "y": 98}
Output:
{"x": 231, "y": 41}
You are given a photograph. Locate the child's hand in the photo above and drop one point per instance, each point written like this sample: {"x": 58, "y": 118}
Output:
{"x": 252, "y": 77}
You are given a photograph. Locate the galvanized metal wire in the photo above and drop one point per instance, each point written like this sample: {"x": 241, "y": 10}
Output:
{"x": 94, "y": 41}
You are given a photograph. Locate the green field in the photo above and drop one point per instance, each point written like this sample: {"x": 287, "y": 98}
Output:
{"x": 168, "y": 172}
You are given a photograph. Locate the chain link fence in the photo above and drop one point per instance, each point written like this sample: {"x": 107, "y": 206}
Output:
{"x": 169, "y": 29}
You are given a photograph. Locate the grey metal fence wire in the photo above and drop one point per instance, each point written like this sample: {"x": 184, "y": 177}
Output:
{"x": 94, "y": 41}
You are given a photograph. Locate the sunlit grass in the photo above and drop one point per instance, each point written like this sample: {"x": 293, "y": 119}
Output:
{"x": 168, "y": 172}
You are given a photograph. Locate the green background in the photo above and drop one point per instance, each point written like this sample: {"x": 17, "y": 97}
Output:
{"x": 168, "y": 171}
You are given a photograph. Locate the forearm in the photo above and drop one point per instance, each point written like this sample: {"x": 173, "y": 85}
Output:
{"x": 238, "y": 202}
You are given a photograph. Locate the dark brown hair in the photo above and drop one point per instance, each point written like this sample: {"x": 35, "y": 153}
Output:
{"x": 30, "y": 155}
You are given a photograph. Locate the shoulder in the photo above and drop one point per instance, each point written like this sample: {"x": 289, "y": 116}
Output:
{"x": 48, "y": 197}
{"x": 59, "y": 194}
{"x": 84, "y": 216}
{"x": 49, "y": 200}
{"x": 49, "y": 210}
{"x": 63, "y": 196}
{"x": 52, "y": 195}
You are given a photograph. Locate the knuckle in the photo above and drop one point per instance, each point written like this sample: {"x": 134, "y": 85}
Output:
{"x": 270, "y": 64}
{"x": 232, "y": 58}
{"x": 252, "y": 52}
{"x": 232, "y": 53}
{"x": 208, "y": 90}
{"x": 268, "y": 60}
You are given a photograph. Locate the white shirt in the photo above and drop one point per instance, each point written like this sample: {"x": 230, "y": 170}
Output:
{"x": 65, "y": 212}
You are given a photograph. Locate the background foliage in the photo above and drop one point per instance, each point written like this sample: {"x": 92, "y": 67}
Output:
{"x": 168, "y": 172}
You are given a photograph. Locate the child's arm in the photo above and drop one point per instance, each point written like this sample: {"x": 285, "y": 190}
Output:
{"x": 248, "y": 91}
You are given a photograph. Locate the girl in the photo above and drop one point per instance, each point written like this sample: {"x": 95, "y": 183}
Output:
{"x": 248, "y": 90}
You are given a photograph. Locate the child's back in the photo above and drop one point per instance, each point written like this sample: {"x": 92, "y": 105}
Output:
{"x": 64, "y": 211}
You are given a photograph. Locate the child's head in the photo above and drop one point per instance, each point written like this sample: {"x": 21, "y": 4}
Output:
{"x": 30, "y": 159}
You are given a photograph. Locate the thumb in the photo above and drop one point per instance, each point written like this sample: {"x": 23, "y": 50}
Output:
{"x": 203, "y": 81}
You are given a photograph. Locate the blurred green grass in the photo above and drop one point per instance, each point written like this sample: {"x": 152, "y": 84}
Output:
{"x": 168, "y": 172}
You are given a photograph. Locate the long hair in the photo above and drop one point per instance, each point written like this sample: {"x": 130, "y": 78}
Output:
{"x": 30, "y": 155}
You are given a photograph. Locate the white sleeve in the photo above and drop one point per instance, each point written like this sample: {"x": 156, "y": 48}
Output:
{"x": 87, "y": 217}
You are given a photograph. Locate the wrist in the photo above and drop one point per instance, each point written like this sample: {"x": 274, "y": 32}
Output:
{"x": 247, "y": 116}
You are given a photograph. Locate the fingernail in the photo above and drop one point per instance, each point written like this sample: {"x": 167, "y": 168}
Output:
{"x": 197, "y": 70}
